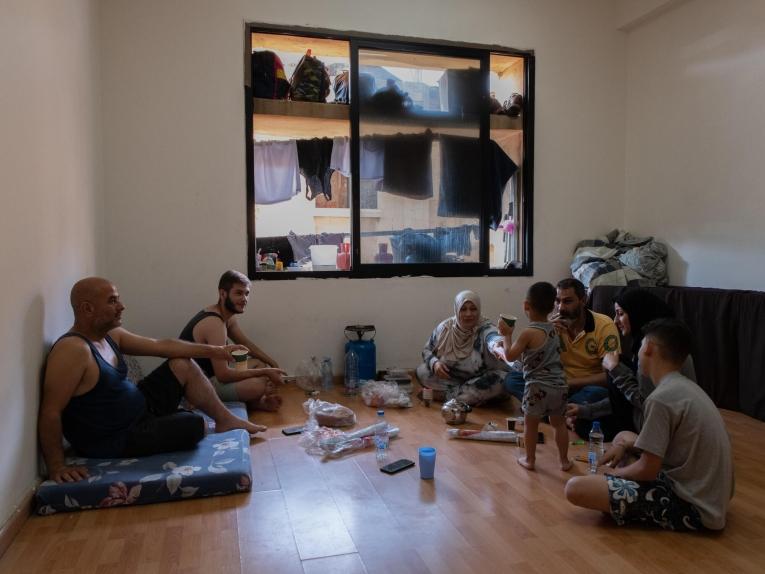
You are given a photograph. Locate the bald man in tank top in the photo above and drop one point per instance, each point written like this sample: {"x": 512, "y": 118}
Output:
{"x": 89, "y": 399}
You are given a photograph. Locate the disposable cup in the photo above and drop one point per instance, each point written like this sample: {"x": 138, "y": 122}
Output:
{"x": 427, "y": 462}
{"x": 240, "y": 360}
{"x": 509, "y": 319}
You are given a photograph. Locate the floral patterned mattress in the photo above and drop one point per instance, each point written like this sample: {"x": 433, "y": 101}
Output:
{"x": 220, "y": 464}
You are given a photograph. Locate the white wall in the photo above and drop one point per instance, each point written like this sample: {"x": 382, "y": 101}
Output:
{"x": 695, "y": 140}
{"x": 48, "y": 186}
{"x": 175, "y": 165}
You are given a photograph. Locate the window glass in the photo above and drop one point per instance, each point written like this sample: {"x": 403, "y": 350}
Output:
{"x": 419, "y": 157}
{"x": 506, "y": 86}
{"x": 301, "y": 153}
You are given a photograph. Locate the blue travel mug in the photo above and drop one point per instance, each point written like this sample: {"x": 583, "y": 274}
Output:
{"x": 427, "y": 461}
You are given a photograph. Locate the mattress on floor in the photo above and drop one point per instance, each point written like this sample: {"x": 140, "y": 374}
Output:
{"x": 220, "y": 464}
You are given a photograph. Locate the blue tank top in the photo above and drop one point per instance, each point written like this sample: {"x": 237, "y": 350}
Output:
{"x": 188, "y": 335}
{"x": 96, "y": 423}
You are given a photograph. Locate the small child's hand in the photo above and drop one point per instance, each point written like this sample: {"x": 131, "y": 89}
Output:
{"x": 504, "y": 329}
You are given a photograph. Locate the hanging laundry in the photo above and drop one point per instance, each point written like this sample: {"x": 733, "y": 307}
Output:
{"x": 314, "y": 157}
{"x": 372, "y": 157}
{"x": 276, "y": 173}
{"x": 341, "y": 155}
{"x": 501, "y": 169}
{"x": 407, "y": 169}
{"x": 460, "y": 192}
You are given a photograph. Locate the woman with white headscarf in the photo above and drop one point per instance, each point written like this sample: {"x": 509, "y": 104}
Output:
{"x": 457, "y": 361}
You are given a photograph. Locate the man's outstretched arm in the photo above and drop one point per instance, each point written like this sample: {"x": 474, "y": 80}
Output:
{"x": 64, "y": 372}
{"x": 133, "y": 344}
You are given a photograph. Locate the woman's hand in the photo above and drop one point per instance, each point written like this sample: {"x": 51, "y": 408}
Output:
{"x": 498, "y": 349}
{"x": 610, "y": 360}
{"x": 441, "y": 370}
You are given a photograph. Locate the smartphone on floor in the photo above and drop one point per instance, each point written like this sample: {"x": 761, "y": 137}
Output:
{"x": 397, "y": 466}
{"x": 289, "y": 431}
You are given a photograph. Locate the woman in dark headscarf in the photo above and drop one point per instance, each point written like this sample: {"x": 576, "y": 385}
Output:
{"x": 457, "y": 361}
{"x": 627, "y": 389}
{"x": 633, "y": 310}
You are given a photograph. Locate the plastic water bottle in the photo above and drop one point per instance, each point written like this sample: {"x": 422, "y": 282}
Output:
{"x": 595, "y": 449}
{"x": 381, "y": 439}
{"x": 351, "y": 372}
{"x": 326, "y": 374}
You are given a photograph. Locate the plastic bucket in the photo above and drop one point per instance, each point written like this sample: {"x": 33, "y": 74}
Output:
{"x": 324, "y": 255}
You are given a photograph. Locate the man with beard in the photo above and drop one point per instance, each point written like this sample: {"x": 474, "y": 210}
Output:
{"x": 216, "y": 323}
{"x": 586, "y": 337}
{"x": 89, "y": 399}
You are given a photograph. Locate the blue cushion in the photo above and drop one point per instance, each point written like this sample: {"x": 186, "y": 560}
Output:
{"x": 220, "y": 464}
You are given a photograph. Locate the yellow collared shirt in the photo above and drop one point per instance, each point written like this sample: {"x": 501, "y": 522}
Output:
{"x": 582, "y": 356}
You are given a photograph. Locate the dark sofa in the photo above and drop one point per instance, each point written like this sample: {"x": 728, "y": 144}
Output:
{"x": 729, "y": 347}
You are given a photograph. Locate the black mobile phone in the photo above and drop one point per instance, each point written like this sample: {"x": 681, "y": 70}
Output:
{"x": 292, "y": 430}
{"x": 397, "y": 466}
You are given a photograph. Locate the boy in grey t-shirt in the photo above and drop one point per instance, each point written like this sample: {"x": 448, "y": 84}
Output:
{"x": 683, "y": 479}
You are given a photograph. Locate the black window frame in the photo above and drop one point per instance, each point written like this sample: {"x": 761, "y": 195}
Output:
{"x": 401, "y": 44}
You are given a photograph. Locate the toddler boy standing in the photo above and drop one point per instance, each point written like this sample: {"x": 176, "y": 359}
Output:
{"x": 546, "y": 391}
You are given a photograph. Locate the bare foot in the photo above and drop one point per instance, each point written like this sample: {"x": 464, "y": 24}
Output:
{"x": 525, "y": 463}
{"x": 233, "y": 422}
{"x": 565, "y": 465}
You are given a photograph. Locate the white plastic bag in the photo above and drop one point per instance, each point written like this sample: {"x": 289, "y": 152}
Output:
{"x": 384, "y": 394}
{"x": 329, "y": 414}
{"x": 329, "y": 442}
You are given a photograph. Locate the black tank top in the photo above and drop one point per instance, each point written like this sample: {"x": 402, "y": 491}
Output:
{"x": 188, "y": 335}
{"x": 96, "y": 423}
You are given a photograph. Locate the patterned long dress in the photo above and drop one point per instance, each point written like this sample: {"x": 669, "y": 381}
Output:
{"x": 474, "y": 379}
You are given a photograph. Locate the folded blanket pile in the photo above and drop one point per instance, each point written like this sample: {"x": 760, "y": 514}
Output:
{"x": 620, "y": 258}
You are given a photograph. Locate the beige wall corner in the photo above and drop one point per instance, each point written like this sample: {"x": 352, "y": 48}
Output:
{"x": 633, "y": 13}
{"x": 48, "y": 156}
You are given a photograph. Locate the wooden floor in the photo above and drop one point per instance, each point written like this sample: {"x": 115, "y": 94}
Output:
{"x": 483, "y": 513}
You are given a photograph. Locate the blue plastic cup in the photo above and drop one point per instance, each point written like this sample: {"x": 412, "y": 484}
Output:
{"x": 427, "y": 462}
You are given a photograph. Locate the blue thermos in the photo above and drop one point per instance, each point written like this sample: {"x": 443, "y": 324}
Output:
{"x": 364, "y": 348}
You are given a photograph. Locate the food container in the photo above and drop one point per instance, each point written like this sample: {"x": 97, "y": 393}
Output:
{"x": 455, "y": 412}
{"x": 324, "y": 256}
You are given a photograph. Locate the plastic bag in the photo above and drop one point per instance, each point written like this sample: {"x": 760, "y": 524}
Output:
{"x": 329, "y": 414}
{"x": 308, "y": 375}
{"x": 330, "y": 442}
{"x": 385, "y": 394}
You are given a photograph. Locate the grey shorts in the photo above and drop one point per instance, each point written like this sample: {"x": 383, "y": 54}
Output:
{"x": 225, "y": 392}
{"x": 540, "y": 400}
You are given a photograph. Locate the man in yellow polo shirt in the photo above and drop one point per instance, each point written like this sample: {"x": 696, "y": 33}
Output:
{"x": 586, "y": 337}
